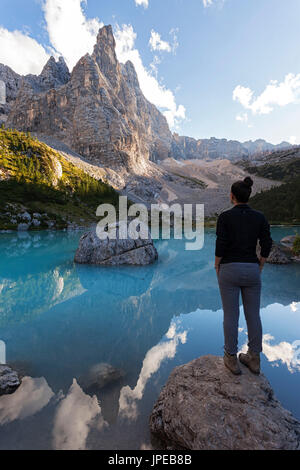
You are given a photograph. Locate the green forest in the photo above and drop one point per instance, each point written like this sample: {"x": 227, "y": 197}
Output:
{"x": 35, "y": 178}
{"x": 281, "y": 204}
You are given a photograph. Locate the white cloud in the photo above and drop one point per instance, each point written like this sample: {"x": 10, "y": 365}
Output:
{"x": 70, "y": 32}
{"x": 275, "y": 94}
{"x": 173, "y": 32}
{"x": 30, "y": 398}
{"x": 155, "y": 92}
{"x": 157, "y": 44}
{"x": 22, "y": 53}
{"x": 242, "y": 117}
{"x": 151, "y": 364}
{"x": 243, "y": 95}
{"x": 293, "y": 140}
{"x": 155, "y": 62}
{"x": 284, "y": 352}
{"x": 144, "y": 3}
{"x": 75, "y": 415}
{"x": 207, "y": 3}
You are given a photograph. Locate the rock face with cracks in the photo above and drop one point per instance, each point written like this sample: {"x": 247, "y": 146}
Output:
{"x": 204, "y": 407}
{"x": 99, "y": 110}
{"x": 114, "y": 252}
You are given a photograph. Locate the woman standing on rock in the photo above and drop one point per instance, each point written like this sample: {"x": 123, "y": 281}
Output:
{"x": 239, "y": 271}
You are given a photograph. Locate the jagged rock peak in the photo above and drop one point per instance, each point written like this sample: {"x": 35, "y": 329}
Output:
{"x": 106, "y": 34}
{"x": 129, "y": 72}
{"x": 105, "y": 55}
{"x": 55, "y": 73}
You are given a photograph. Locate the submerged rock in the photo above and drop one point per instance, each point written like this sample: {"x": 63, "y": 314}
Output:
{"x": 113, "y": 252}
{"x": 23, "y": 227}
{"x": 9, "y": 380}
{"x": 204, "y": 407}
{"x": 101, "y": 375}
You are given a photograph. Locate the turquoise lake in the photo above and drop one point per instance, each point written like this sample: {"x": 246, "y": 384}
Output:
{"x": 59, "y": 320}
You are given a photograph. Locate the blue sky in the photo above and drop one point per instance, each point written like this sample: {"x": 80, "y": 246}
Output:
{"x": 223, "y": 68}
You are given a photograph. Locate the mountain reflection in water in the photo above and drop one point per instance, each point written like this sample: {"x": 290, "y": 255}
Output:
{"x": 59, "y": 320}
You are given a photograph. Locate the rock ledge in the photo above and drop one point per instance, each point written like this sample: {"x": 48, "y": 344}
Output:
{"x": 204, "y": 407}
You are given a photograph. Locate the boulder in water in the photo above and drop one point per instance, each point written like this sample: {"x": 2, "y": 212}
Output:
{"x": 204, "y": 407}
{"x": 101, "y": 375}
{"x": 9, "y": 380}
{"x": 277, "y": 255}
{"x": 113, "y": 252}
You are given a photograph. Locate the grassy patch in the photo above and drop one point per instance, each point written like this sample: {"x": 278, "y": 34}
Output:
{"x": 296, "y": 245}
{"x": 35, "y": 178}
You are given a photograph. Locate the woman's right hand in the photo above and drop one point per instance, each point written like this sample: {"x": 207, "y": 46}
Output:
{"x": 262, "y": 263}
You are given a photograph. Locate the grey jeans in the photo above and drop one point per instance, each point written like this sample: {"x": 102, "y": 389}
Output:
{"x": 234, "y": 278}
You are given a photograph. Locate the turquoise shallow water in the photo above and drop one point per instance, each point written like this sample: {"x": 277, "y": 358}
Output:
{"x": 58, "y": 320}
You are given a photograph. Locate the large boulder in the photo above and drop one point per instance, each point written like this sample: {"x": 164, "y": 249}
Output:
{"x": 113, "y": 252}
{"x": 204, "y": 407}
{"x": 9, "y": 380}
{"x": 288, "y": 244}
{"x": 277, "y": 255}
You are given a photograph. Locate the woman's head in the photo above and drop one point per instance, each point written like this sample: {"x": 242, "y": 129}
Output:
{"x": 241, "y": 190}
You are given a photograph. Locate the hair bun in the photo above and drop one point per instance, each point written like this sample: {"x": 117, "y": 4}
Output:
{"x": 248, "y": 181}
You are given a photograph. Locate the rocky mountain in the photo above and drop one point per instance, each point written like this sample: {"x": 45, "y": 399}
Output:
{"x": 99, "y": 110}
{"x": 53, "y": 75}
{"x": 98, "y": 119}
{"x": 187, "y": 148}
{"x": 260, "y": 146}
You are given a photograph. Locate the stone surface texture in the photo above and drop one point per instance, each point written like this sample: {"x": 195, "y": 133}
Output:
{"x": 204, "y": 407}
{"x": 114, "y": 252}
{"x": 9, "y": 380}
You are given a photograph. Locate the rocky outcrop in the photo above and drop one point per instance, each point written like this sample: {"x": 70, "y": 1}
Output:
{"x": 277, "y": 254}
{"x": 287, "y": 244}
{"x": 113, "y": 252}
{"x": 204, "y": 407}
{"x": 188, "y": 148}
{"x": 9, "y": 380}
{"x": 53, "y": 75}
{"x": 12, "y": 82}
{"x": 99, "y": 112}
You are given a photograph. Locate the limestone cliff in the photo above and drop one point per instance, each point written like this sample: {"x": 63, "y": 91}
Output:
{"x": 188, "y": 148}
{"x": 99, "y": 111}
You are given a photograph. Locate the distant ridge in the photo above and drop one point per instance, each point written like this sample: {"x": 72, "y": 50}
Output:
{"x": 188, "y": 148}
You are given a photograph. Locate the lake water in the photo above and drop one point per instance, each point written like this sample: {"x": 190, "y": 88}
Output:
{"x": 58, "y": 321}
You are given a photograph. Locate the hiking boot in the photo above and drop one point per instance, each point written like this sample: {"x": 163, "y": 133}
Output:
{"x": 251, "y": 360}
{"x": 231, "y": 362}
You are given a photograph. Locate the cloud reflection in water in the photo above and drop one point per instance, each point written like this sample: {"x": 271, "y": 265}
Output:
{"x": 151, "y": 364}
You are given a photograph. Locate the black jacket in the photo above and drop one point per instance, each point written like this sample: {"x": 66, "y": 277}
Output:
{"x": 238, "y": 231}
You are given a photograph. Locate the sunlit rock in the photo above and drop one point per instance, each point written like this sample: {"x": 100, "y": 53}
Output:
{"x": 204, "y": 407}
{"x": 113, "y": 252}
